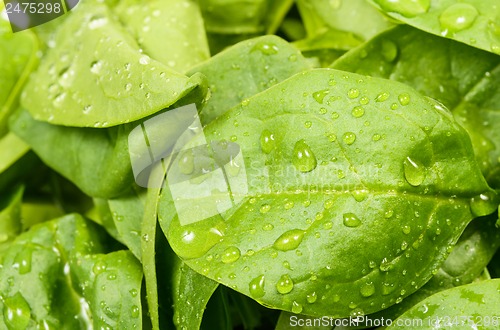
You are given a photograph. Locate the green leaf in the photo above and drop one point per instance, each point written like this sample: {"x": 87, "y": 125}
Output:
{"x": 96, "y": 76}
{"x": 337, "y": 190}
{"x": 465, "y": 264}
{"x": 111, "y": 284}
{"x": 17, "y": 59}
{"x": 191, "y": 292}
{"x": 10, "y": 218}
{"x": 171, "y": 32}
{"x": 464, "y": 79}
{"x": 353, "y": 16}
{"x": 475, "y": 22}
{"x": 472, "y": 306}
{"x": 249, "y": 67}
{"x": 99, "y": 164}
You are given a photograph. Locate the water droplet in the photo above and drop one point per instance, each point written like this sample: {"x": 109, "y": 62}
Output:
{"x": 285, "y": 284}
{"x": 99, "y": 267}
{"x": 457, "y": 17}
{"x": 303, "y": 157}
{"x": 186, "y": 162}
{"x": 358, "y": 111}
{"x": 292, "y": 58}
{"x": 360, "y": 195}
{"x": 265, "y": 208}
{"x": 256, "y": 287}
{"x": 389, "y": 50}
{"x": 319, "y": 96}
{"x": 404, "y": 98}
{"x": 367, "y": 289}
{"x": 376, "y": 137}
{"x": 351, "y": 220}
{"x": 349, "y": 138}
{"x": 266, "y": 48}
{"x": 406, "y": 229}
{"x": 289, "y": 205}
{"x": 289, "y": 240}
{"x": 388, "y": 214}
{"x": 135, "y": 312}
{"x": 16, "y": 312}
{"x": 133, "y": 292}
{"x": 267, "y": 141}
{"x": 230, "y": 255}
{"x": 144, "y": 60}
{"x": 111, "y": 277}
{"x": 385, "y": 265}
{"x": 311, "y": 297}
{"x": 407, "y": 8}
{"x": 96, "y": 67}
{"x": 194, "y": 243}
{"x": 22, "y": 261}
{"x": 414, "y": 171}
{"x": 308, "y": 124}
{"x": 353, "y": 93}
{"x": 382, "y": 97}
{"x": 484, "y": 204}
{"x": 296, "y": 308}
{"x": 268, "y": 227}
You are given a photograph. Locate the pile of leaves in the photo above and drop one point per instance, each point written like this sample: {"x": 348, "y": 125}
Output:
{"x": 345, "y": 165}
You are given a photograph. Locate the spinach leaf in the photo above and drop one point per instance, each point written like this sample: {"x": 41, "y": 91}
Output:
{"x": 10, "y": 218}
{"x": 171, "y": 32}
{"x": 17, "y": 59}
{"x": 355, "y": 16}
{"x": 465, "y": 264}
{"x": 56, "y": 261}
{"x": 343, "y": 183}
{"x": 99, "y": 164}
{"x": 15, "y": 159}
{"x": 191, "y": 292}
{"x": 464, "y": 79}
{"x": 479, "y": 301}
{"x": 475, "y": 22}
{"x": 249, "y": 67}
{"x": 85, "y": 82}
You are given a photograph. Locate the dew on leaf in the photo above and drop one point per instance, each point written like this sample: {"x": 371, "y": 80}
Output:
{"x": 414, "y": 171}
{"x": 349, "y": 138}
{"x": 457, "y": 17}
{"x": 406, "y": 8}
{"x": 351, "y": 220}
{"x": 289, "y": 240}
{"x": 303, "y": 157}
{"x": 256, "y": 287}
{"x": 284, "y": 284}
{"x": 230, "y": 255}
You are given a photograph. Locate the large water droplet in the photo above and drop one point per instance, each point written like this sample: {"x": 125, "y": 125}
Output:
{"x": 367, "y": 289}
{"x": 351, "y": 220}
{"x": 319, "y": 96}
{"x": 358, "y": 111}
{"x": 99, "y": 267}
{"x": 186, "y": 162}
{"x": 23, "y": 260}
{"x": 312, "y": 297}
{"x": 414, "y": 171}
{"x": 484, "y": 204}
{"x": 191, "y": 244}
{"x": 267, "y": 141}
{"x": 353, "y": 93}
{"x": 289, "y": 240}
{"x": 404, "y": 98}
{"x": 457, "y": 17}
{"x": 303, "y": 157}
{"x": 285, "y": 284}
{"x": 407, "y": 8}
{"x": 349, "y": 138}
{"x": 296, "y": 308}
{"x": 256, "y": 287}
{"x": 16, "y": 312}
{"x": 231, "y": 254}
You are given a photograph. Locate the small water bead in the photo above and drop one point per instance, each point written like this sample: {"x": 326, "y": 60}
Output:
{"x": 267, "y": 227}
{"x": 323, "y": 111}
{"x": 407, "y": 8}
{"x": 406, "y": 229}
{"x": 414, "y": 171}
{"x": 99, "y": 267}
{"x": 230, "y": 255}
{"x": 349, "y": 138}
{"x": 382, "y": 97}
{"x": 360, "y": 195}
{"x": 256, "y": 287}
{"x": 351, "y": 220}
{"x": 308, "y": 124}
{"x": 296, "y": 308}
{"x": 266, "y": 48}
{"x": 265, "y": 208}
{"x": 376, "y": 137}
{"x": 285, "y": 284}
{"x": 289, "y": 240}
{"x": 358, "y": 111}
{"x": 289, "y": 205}
{"x": 303, "y": 157}
{"x": 292, "y": 58}
{"x": 353, "y": 93}
{"x": 335, "y": 115}
{"x": 404, "y": 99}
{"x": 457, "y": 17}
{"x": 367, "y": 289}
{"x": 144, "y": 60}
{"x": 404, "y": 245}
{"x": 311, "y": 297}
{"x": 186, "y": 162}
{"x": 332, "y": 137}
{"x": 394, "y": 106}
